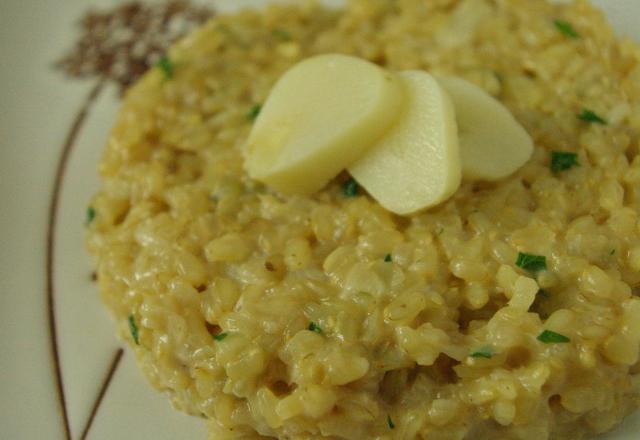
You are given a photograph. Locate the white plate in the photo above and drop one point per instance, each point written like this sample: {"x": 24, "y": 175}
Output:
{"x": 38, "y": 107}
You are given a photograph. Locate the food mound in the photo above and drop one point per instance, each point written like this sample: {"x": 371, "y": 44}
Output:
{"x": 507, "y": 312}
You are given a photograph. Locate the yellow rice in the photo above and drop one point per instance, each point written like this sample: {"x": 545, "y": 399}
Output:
{"x": 326, "y": 339}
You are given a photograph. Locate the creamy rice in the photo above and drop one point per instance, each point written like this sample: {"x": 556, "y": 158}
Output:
{"x": 280, "y": 317}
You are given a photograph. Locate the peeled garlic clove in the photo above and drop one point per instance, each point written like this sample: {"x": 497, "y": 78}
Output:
{"x": 493, "y": 144}
{"x": 319, "y": 118}
{"x": 416, "y": 164}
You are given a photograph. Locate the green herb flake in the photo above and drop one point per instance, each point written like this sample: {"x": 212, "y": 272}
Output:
{"x": 254, "y": 112}
{"x": 387, "y": 258}
{"x": 350, "y": 188}
{"x": 224, "y": 29}
{"x": 561, "y": 161}
{"x": 221, "y": 336}
{"x": 281, "y": 34}
{"x": 133, "y": 328}
{"x": 390, "y": 423}
{"x": 566, "y": 28}
{"x": 543, "y": 294}
{"x": 314, "y": 328}
{"x": 612, "y": 252}
{"x": 484, "y": 352}
{"x": 91, "y": 215}
{"x": 551, "y": 337}
{"x": 166, "y": 66}
{"x": 591, "y": 117}
{"x": 440, "y": 231}
{"x": 531, "y": 263}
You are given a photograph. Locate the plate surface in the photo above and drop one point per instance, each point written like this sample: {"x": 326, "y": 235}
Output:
{"x": 39, "y": 110}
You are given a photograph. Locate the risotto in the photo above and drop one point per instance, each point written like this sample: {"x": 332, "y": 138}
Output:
{"x": 507, "y": 312}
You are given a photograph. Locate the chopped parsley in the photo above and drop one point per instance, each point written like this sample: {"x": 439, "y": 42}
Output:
{"x": 543, "y": 294}
{"x": 221, "y": 336}
{"x": 531, "y": 263}
{"x": 166, "y": 66}
{"x": 387, "y": 258}
{"x": 91, "y": 215}
{"x": 591, "y": 117}
{"x": 484, "y": 352}
{"x": 612, "y": 251}
{"x": 314, "y": 328}
{"x": 254, "y": 112}
{"x": 133, "y": 328}
{"x": 390, "y": 423}
{"x": 566, "y": 28}
{"x": 225, "y": 29}
{"x": 281, "y": 34}
{"x": 439, "y": 231}
{"x": 561, "y": 160}
{"x": 350, "y": 188}
{"x": 551, "y": 337}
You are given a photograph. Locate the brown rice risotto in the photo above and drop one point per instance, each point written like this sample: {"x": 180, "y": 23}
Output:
{"x": 508, "y": 312}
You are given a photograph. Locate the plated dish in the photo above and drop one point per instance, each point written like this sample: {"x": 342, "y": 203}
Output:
{"x": 507, "y": 311}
